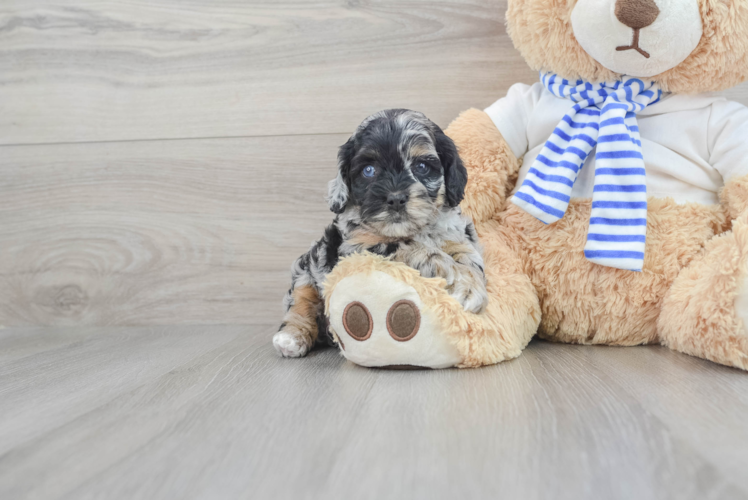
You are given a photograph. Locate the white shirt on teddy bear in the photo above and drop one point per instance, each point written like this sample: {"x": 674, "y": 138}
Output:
{"x": 692, "y": 145}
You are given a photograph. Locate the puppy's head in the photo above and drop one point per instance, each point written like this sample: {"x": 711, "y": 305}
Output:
{"x": 397, "y": 170}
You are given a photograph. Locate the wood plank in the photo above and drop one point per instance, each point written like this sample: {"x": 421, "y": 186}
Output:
{"x": 76, "y": 378}
{"x": 18, "y": 343}
{"x": 128, "y": 69}
{"x": 714, "y": 426}
{"x": 163, "y": 232}
{"x": 547, "y": 425}
{"x": 236, "y": 421}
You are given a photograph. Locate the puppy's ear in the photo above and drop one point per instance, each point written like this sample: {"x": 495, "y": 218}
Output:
{"x": 455, "y": 175}
{"x": 338, "y": 188}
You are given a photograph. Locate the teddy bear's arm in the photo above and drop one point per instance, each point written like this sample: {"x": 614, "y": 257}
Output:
{"x": 728, "y": 145}
{"x": 491, "y": 165}
{"x": 734, "y": 197}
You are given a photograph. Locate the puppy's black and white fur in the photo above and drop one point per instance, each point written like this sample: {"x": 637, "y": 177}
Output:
{"x": 400, "y": 181}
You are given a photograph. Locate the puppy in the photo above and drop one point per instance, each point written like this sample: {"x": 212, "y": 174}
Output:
{"x": 400, "y": 181}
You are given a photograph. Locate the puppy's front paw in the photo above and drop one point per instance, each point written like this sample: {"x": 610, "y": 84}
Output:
{"x": 291, "y": 345}
{"x": 475, "y": 302}
{"x": 470, "y": 291}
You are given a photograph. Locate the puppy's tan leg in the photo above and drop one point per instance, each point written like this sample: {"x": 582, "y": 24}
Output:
{"x": 299, "y": 331}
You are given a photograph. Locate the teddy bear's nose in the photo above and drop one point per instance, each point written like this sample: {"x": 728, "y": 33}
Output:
{"x": 637, "y": 14}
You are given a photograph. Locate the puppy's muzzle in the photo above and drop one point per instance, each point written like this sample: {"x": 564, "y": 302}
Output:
{"x": 398, "y": 201}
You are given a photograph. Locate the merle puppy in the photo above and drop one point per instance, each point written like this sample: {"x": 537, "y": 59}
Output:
{"x": 399, "y": 184}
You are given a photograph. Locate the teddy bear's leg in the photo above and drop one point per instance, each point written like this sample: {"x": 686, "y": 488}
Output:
{"x": 705, "y": 312}
{"x": 379, "y": 320}
{"x": 741, "y": 304}
{"x": 383, "y": 313}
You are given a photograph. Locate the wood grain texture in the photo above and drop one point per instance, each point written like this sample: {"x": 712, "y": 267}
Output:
{"x": 105, "y": 222}
{"x": 102, "y": 222}
{"x": 158, "y": 232}
{"x": 219, "y": 415}
{"x": 102, "y": 70}
{"x": 76, "y": 372}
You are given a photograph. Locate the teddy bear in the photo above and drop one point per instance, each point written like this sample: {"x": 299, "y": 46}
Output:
{"x": 610, "y": 197}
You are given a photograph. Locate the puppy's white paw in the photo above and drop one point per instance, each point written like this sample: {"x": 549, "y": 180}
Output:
{"x": 470, "y": 291}
{"x": 475, "y": 302}
{"x": 291, "y": 345}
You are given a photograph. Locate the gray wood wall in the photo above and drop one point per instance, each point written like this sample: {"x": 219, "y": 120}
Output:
{"x": 163, "y": 162}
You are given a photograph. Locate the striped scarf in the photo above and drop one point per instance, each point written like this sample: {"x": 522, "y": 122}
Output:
{"x": 604, "y": 116}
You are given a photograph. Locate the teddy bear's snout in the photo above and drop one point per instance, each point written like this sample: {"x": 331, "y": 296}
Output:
{"x": 637, "y": 14}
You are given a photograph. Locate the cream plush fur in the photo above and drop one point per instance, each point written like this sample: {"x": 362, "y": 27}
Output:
{"x": 693, "y": 293}
{"x": 671, "y": 39}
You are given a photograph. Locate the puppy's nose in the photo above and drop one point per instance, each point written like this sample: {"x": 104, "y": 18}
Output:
{"x": 397, "y": 200}
{"x": 637, "y": 14}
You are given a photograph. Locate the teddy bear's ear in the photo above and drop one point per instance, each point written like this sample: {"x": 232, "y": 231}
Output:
{"x": 455, "y": 174}
{"x": 337, "y": 189}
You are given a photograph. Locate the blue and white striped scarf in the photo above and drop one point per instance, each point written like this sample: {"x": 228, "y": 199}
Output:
{"x": 604, "y": 116}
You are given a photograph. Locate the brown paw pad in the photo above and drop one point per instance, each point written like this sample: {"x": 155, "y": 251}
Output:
{"x": 357, "y": 321}
{"x": 403, "y": 320}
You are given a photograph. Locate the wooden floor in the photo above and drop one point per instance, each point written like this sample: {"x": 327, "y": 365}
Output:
{"x": 164, "y": 162}
{"x": 213, "y": 412}
{"x": 161, "y": 165}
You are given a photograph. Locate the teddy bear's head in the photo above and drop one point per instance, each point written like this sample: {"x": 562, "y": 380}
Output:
{"x": 687, "y": 46}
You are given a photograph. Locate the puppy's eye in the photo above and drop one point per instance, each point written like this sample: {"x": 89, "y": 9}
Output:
{"x": 422, "y": 168}
{"x": 369, "y": 171}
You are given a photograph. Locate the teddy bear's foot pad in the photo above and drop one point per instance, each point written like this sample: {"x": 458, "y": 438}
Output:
{"x": 382, "y": 322}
